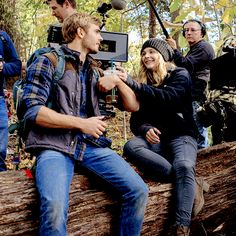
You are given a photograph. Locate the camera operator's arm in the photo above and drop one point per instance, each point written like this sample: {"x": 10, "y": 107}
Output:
{"x": 129, "y": 100}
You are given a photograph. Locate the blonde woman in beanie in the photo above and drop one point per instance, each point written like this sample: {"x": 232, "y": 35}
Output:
{"x": 165, "y": 144}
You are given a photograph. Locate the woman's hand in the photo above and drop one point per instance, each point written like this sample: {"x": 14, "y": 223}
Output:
{"x": 152, "y": 136}
{"x": 121, "y": 72}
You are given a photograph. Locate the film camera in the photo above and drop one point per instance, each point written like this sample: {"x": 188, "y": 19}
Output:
{"x": 113, "y": 48}
{"x": 212, "y": 113}
{"x": 55, "y": 34}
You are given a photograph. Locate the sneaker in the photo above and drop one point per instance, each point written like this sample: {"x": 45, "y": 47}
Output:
{"x": 201, "y": 186}
{"x": 182, "y": 231}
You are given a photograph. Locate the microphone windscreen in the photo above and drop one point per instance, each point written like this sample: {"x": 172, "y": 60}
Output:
{"x": 118, "y": 4}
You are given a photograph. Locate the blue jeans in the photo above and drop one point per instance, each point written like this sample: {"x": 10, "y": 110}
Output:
{"x": 3, "y": 133}
{"x": 202, "y": 139}
{"x": 54, "y": 173}
{"x": 174, "y": 160}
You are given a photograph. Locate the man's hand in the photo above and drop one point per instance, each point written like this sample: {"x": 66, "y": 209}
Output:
{"x": 152, "y": 136}
{"x": 126, "y": 95}
{"x": 94, "y": 126}
{"x": 108, "y": 82}
{"x": 49, "y": 118}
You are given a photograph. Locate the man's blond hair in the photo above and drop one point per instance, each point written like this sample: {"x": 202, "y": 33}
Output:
{"x": 76, "y": 20}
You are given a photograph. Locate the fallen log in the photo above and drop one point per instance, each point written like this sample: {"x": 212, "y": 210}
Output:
{"x": 93, "y": 211}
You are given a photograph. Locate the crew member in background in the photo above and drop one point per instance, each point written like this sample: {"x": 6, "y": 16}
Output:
{"x": 62, "y": 8}
{"x": 197, "y": 63}
{"x": 10, "y": 65}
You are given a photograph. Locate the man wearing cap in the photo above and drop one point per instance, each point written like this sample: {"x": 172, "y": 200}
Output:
{"x": 197, "y": 63}
{"x": 165, "y": 144}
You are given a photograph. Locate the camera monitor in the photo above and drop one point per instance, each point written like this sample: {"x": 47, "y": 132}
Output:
{"x": 114, "y": 47}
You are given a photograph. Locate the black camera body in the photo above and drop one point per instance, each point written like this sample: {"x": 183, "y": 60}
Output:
{"x": 212, "y": 113}
{"x": 55, "y": 34}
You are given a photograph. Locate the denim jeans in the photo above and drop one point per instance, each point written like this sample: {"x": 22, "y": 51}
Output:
{"x": 202, "y": 139}
{"x": 54, "y": 173}
{"x": 174, "y": 160}
{"x": 3, "y": 133}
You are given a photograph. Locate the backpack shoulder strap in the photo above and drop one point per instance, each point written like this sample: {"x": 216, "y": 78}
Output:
{"x": 58, "y": 59}
{"x": 97, "y": 72}
{"x": 52, "y": 57}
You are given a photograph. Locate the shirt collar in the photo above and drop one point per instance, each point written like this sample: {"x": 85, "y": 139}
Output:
{"x": 71, "y": 53}
{"x": 75, "y": 56}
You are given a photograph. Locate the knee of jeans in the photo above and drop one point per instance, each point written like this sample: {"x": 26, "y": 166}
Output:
{"x": 184, "y": 167}
{"x": 143, "y": 198}
{"x": 54, "y": 214}
{"x": 130, "y": 147}
{"x": 140, "y": 193}
{"x": 127, "y": 147}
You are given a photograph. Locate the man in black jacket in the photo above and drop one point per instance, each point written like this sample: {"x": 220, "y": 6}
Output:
{"x": 197, "y": 63}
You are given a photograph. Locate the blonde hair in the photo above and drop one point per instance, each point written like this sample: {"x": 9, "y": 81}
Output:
{"x": 157, "y": 76}
{"x": 76, "y": 20}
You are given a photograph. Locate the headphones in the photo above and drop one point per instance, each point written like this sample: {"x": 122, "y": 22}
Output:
{"x": 203, "y": 26}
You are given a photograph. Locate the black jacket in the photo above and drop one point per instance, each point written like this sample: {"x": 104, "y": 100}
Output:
{"x": 167, "y": 107}
{"x": 197, "y": 63}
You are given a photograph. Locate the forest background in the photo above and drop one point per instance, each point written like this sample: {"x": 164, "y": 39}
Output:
{"x": 27, "y": 22}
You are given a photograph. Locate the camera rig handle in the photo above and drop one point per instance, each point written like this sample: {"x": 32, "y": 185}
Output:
{"x": 159, "y": 19}
{"x": 103, "y": 9}
{"x": 104, "y": 18}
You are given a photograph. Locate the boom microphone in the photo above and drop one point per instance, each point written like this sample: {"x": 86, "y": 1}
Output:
{"x": 118, "y": 4}
{"x": 159, "y": 19}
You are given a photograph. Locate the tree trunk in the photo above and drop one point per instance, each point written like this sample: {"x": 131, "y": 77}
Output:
{"x": 94, "y": 212}
{"x": 152, "y": 21}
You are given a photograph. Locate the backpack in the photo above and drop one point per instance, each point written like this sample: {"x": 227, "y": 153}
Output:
{"x": 57, "y": 58}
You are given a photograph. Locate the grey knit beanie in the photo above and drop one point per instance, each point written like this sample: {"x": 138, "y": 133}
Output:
{"x": 161, "y": 46}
